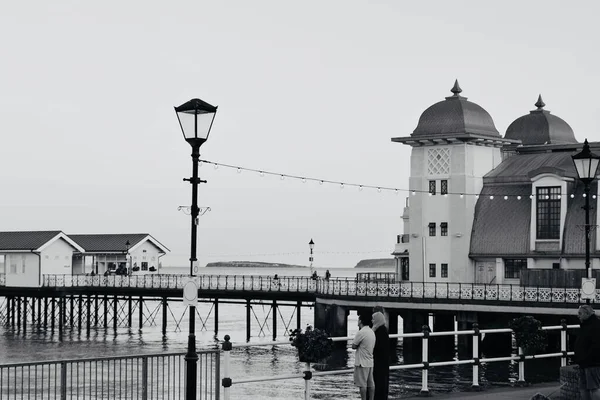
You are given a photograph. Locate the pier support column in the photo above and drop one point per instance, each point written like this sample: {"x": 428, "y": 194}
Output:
{"x": 443, "y": 345}
{"x": 298, "y": 315}
{"x": 46, "y": 313}
{"x": 72, "y": 311}
{"x": 80, "y": 312}
{"x": 33, "y": 313}
{"x": 248, "y": 309}
{"x": 96, "y": 311}
{"x": 129, "y": 311}
{"x": 216, "y": 317}
{"x": 53, "y": 313}
{"x": 105, "y": 311}
{"x": 392, "y": 324}
{"x": 88, "y": 308}
{"x": 164, "y": 316}
{"x": 413, "y": 321}
{"x": 141, "y": 312}
{"x": 465, "y": 321}
{"x": 24, "y": 314}
{"x": 115, "y": 313}
{"x": 274, "y": 307}
{"x": 495, "y": 344}
{"x": 61, "y": 316}
{"x": 333, "y": 319}
{"x": 8, "y": 313}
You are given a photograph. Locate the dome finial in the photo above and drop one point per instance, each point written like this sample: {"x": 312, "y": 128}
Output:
{"x": 540, "y": 103}
{"x": 456, "y": 88}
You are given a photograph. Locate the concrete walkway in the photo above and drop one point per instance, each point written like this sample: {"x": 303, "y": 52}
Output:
{"x": 551, "y": 390}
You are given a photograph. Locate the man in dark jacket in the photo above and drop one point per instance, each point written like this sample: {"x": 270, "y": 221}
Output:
{"x": 587, "y": 353}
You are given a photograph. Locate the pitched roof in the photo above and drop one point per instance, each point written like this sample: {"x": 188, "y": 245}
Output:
{"x": 25, "y": 240}
{"x": 521, "y": 167}
{"x": 501, "y": 227}
{"x": 108, "y": 242}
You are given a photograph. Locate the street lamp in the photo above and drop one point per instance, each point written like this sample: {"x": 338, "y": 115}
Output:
{"x": 311, "y": 246}
{"x": 586, "y": 164}
{"x": 195, "y": 119}
{"x": 128, "y": 265}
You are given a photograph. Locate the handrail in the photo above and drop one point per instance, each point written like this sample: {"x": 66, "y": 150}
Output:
{"x": 334, "y": 287}
{"x": 308, "y": 373}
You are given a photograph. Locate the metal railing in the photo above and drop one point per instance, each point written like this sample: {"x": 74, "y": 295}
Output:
{"x": 450, "y": 291}
{"x": 308, "y": 374}
{"x": 216, "y": 282}
{"x": 342, "y": 287}
{"x": 143, "y": 377}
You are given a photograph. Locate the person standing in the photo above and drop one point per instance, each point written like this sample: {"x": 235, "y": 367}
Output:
{"x": 363, "y": 343}
{"x": 381, "y": 357}
{"x": 587, "y": 353}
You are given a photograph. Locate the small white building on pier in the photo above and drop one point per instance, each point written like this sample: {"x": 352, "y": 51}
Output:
{"x": 26, "y": 256}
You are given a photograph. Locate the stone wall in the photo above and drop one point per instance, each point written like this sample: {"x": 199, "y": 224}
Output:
{"x": 569, "y": 380}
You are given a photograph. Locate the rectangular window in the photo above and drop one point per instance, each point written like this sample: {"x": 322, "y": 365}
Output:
{"x": 432, "y": 270}
{"x": 513, "y": 267}
{"x": 144, "y": 266}
{"x": 555, "y": 265}
{"x": 432, "y": 187}
{"x": 444, "y": 272}
{"x": 432, "y": 229}
{"x": 13, "y": 268}
{"x": 444, "y": 187}
{"x": 548, "y": 212}
{"x": 404, "y": 267}
{"x": 444, "y": 229}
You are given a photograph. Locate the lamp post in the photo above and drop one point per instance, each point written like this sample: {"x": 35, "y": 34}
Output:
{"x": 128, "y": 266}
{"x": 586, "y": 164}
{"x": 311, "y": 246}
{"x": 195, "y": 119}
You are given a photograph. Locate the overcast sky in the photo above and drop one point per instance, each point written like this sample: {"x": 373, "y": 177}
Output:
{"x": 91, "y": 144}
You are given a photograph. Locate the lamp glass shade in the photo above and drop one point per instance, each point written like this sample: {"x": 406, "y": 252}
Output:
{"x": 311, "y": 244}
{"x": 586, "y": 163}
{"x": 196, "y": 118}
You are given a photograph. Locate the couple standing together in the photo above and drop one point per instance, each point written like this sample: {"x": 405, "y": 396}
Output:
{"x": 371, "y": 361}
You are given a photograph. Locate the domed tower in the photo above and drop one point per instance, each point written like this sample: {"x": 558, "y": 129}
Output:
{"x": 540, "y": 127}
{"x": 454, "y": 145}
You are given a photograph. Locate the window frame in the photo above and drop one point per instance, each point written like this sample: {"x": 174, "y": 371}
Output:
{"x": 432, "y": 187}
{"x": 432, "y": 228}
{"x": 514, "y": 266}
{"x": 443, "y": 229}
{"x": 548, "y": 212}
{"x": 144, "y": 266}
{"x": 432, "y": 270}
{"x": 444, "y": 270}
{"x": 444, "y": 186}
{"x": 404, "y": 269}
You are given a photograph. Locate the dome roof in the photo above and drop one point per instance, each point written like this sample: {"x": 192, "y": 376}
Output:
{"x": 455, "y": 115}
{"x": 540, "y": 127}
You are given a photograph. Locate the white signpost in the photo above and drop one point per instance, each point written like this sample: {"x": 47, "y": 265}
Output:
{"x": 190, "y": 293}
{"x": 588, "y": 288}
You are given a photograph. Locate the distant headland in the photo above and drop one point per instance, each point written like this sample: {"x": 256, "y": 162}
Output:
{"x": 373, "y": 263}
{"x": 250, "y": 264}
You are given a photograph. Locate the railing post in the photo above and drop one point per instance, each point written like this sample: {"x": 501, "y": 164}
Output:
{"x": 226, "y": 381}
{"x": 521, "y": 380}
{"x": 476, "y": 363}
{"x": 63, "y": 380}
{"x": 424, "y": 373}
{"x": 307, "y": 380}
{"x": 563, "y": 343}
{"x": 144, "y": 378}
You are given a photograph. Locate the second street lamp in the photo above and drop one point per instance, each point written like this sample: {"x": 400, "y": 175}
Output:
{"x": 586, "y": 164}
{"x": 195, "y": 119}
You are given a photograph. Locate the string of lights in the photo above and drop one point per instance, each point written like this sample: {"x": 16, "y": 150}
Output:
{"x": 380, "y": 189}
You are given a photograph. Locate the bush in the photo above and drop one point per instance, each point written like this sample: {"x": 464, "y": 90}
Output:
{"x": 313, "y": 345}
{"x": 529, "y": 335}
{"x": 135, "y": 269}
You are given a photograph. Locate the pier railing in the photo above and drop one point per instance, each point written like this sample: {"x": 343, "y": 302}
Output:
{"x": 141, "y": 377}
{"x": 344, "y": 287}
{"x": 216, "y": 282}
{"x": 308, "y": 374}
